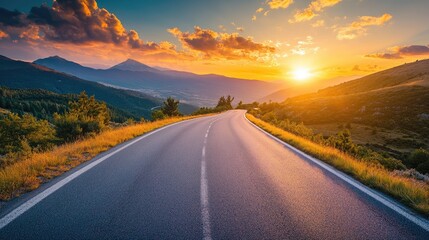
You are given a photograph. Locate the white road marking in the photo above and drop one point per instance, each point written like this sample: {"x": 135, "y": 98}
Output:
{"x": 388, "y": 202}
{"x": 205, "y": 214}
{"x": 39, "y": 197}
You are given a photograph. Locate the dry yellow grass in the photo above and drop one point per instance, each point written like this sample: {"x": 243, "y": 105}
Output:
{"x": 29, "y": 173}
{"x": 410, "y": 192}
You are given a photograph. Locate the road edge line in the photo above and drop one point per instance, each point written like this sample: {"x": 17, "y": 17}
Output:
{"x": 381, "y": 198}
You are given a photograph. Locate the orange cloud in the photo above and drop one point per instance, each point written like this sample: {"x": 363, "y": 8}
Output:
{"x": 276, "y": 4}
{"x": 214, "y": 45}
{"x": 358, "y": 28}
{"x": 3, "y": 34}
{"x": 319, "y": 23}
{"x": 399, "y": 52}
{"x": 71, "y": 21}
{"x": 313, "y": 10}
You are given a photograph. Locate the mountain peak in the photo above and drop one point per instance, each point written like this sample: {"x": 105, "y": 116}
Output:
{"x": 55, "y": 57}
{"x": 132, "y": 61}
{"x": 133, "y": 65}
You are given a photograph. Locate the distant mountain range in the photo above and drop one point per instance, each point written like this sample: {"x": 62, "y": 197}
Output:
{"x": 24, "y": 75}
{"x": 201, "y": 90}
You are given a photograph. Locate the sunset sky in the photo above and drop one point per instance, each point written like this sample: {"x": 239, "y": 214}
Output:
{"x": 268, "y": 40}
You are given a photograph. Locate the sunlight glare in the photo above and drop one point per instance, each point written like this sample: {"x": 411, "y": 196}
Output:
{"x": 301, "y": 74}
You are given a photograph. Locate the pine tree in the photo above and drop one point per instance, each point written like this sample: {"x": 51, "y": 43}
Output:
{"x": 171, "y": 107}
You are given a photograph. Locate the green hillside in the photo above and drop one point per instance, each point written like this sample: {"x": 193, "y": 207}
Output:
{"x": 43, "y": 104}
{"x": 386, "y": 111}
{"x": 23, "y": 75}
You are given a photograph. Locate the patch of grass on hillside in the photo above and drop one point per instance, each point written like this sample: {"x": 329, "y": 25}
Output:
{"x": 410, "y": 192}
{"x": 30, "y": 173}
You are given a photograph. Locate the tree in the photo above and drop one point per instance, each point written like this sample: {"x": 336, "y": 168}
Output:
{"x": 171, "y": 107}
{"x": 86, "y": 116}
{"x": 25, "y": 134}
{"x": 225, "y": 103}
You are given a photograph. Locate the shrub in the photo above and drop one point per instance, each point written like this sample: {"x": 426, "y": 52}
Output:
{"x": 19, "y": 136}
{"x": 158, "y": 115}
{"x": 85, "y": 117}
{"x": 419, "y": 159}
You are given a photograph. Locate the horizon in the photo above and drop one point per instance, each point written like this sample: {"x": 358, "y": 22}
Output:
{"x": 265, "y": 40}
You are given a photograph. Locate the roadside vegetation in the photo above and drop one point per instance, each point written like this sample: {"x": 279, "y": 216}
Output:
{"x": 371, "y": 168}
{"x": 36, "y": 150}
{"x": 224, "y": 104}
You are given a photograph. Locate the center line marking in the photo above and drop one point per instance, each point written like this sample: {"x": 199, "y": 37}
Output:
{"x": 205, "y": 214}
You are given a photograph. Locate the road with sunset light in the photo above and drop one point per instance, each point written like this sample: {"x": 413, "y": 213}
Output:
{"x": 216, "y": 177}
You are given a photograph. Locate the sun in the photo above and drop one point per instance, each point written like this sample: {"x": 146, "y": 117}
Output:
{"x": 301, "y": 74}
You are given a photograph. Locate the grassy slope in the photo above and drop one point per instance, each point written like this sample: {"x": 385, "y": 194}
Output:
{"x": 30, "y": 173}
{"x": 408, "y": 191}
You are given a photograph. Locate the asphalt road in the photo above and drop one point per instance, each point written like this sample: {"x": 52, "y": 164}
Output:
{"x": 214, "y": 177}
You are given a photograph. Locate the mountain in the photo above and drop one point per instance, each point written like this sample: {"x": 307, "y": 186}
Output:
{"x": 201, "y": 90}
{"x": 296, "y": 90}
{"x": 133, "y": 65}
{"x": 24, "y": 75}
{"x": 411, "y": 74}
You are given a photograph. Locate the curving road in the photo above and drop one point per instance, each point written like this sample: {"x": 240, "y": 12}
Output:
{"x": 215, "y": 177}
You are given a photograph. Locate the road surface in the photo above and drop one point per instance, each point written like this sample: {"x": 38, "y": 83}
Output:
{"x": 215, "y": 177}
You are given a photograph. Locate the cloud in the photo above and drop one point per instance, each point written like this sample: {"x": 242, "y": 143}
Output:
{"x": 319, "y": 23}
{"x": 359, "y": 27}
{"x": 305, "y": 47}
{"x": 276, "y": 4}
{"x": 401, "y": 52}
{"x": 3, "y": 34}
{"x": 273, "y": 5}
{"x": 12, "y": 18}
{"x": 313, "y": 10}
{"x": 214, "y": 45}
{"x": 71, "y": 21}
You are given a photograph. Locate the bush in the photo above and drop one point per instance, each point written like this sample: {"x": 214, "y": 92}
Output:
{"x": 387, "y": 162}
{"x": 19, "y": 136}
{"x": 158, "y": 115}
{"x": 85, "y": 117}
{"x": 423, "y": 167}
{"x": 419, "y": 159}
